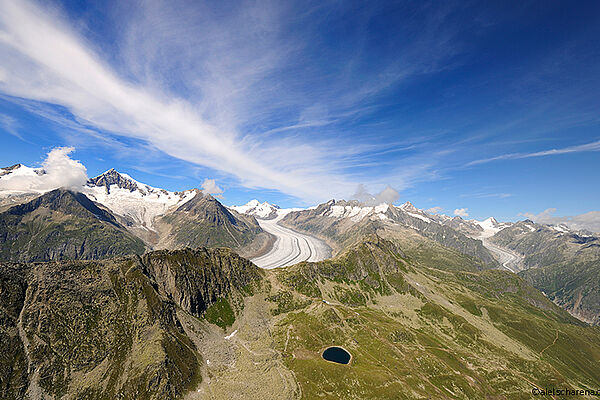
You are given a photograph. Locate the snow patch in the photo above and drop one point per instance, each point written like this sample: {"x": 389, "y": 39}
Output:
{"x": 230, "y": 335}
{"x": 419, "y": 216}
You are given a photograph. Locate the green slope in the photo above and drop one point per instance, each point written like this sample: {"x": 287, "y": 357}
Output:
{"x": 62, "y": 225}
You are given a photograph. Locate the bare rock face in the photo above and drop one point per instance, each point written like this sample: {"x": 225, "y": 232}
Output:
{"x": 194, "y": 279}
{"x": 112, "y": 177}
{"x": 109, "y": 329}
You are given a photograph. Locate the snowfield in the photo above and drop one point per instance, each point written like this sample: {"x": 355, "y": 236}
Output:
{"x": 290, "y": 247}
{"x": 141, "y": 206}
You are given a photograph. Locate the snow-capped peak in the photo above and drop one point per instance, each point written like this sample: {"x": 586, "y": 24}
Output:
{"x": 490, "y": 226}
{"x": 259, "y": 210}
{"x": 488, "y": 223}
{"x": 133, "y": 200}
{"x": 112, "y": 178}
{"x": 20, "y": 179}
{"x": 20, "y": 170}
{"x": 408, "y": 206}
{"x": 354, "y": 210}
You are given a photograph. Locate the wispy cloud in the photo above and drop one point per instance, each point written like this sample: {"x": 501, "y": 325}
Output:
{"x": 484, "y": 195}
{"x": 587, "y": 147}
{"x": 588, "y": 221}
{"x": 10, "y": 125}
{"x": 194, "y": 84}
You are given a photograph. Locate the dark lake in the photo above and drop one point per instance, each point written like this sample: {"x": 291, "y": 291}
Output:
{"x": 336, "y": 354}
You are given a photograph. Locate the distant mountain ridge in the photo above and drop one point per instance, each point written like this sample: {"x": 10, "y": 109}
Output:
{"x": 150, "y": 217}
{"x": 113, "y": 214}
{"x": 333, "y": 221}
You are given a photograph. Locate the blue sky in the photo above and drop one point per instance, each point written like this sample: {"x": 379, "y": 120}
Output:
{"x": 491, "y": 107}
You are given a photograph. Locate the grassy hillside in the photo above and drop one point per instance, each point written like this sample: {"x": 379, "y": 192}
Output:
{"x": 420, "y": 321}
{"x": 204, "y": 221}
{"x": 417, "y": 329}
{"x": 63, "y": 225}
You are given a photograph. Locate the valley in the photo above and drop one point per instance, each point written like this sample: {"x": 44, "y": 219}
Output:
{"x": 175, "y": 295}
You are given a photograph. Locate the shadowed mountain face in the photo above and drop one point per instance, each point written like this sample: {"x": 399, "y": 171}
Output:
{"x": 63, "y": 225}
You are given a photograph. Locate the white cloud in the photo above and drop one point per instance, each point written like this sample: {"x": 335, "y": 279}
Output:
{"x": 9, "y": 124}
{"x": 434, "y": 210}
{"x": 388, "y": 195}
{"x": 588, "y": 221}
{"x": 592, "y": 146}
{"x": 461, "y": 212}
{"x": 59, "y": 170}
{"x": 200, "y": 87}
{"x": 209, "y": 186}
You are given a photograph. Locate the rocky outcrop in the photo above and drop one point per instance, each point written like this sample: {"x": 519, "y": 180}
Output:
{"x": 112, "y": 177}
{"x": 194, "y": 279}
{"x": 13, "y": 357}
{"x": 109, "y": 328}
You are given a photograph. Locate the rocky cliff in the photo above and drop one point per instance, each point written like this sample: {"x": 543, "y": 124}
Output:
{"x": 109, "y": 329}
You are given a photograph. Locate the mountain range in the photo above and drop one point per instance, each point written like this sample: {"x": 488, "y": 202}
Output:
{"x": 117, "y": 289}
{"x": 150, "y": 218}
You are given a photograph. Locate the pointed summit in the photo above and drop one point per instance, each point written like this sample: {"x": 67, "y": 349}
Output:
{"x": 491, "y": 221}
{"x": 408, "y": 206}
{"x": 112, "y": 177}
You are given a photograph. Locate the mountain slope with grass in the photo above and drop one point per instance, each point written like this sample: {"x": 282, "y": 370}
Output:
{"x": 62, "y": 224}
{"x": 111, "y": 329}
{"x": 204, "y": 221}
{"x": 420, "y": 320}
{"x": 416, "y": 329}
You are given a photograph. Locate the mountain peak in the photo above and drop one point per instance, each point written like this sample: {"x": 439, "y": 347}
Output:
{"x": 112, "y": 177}
{"x": 260, "y": 210}
{"x": 408, "y": 206}
{"x": 491, "y": 221}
